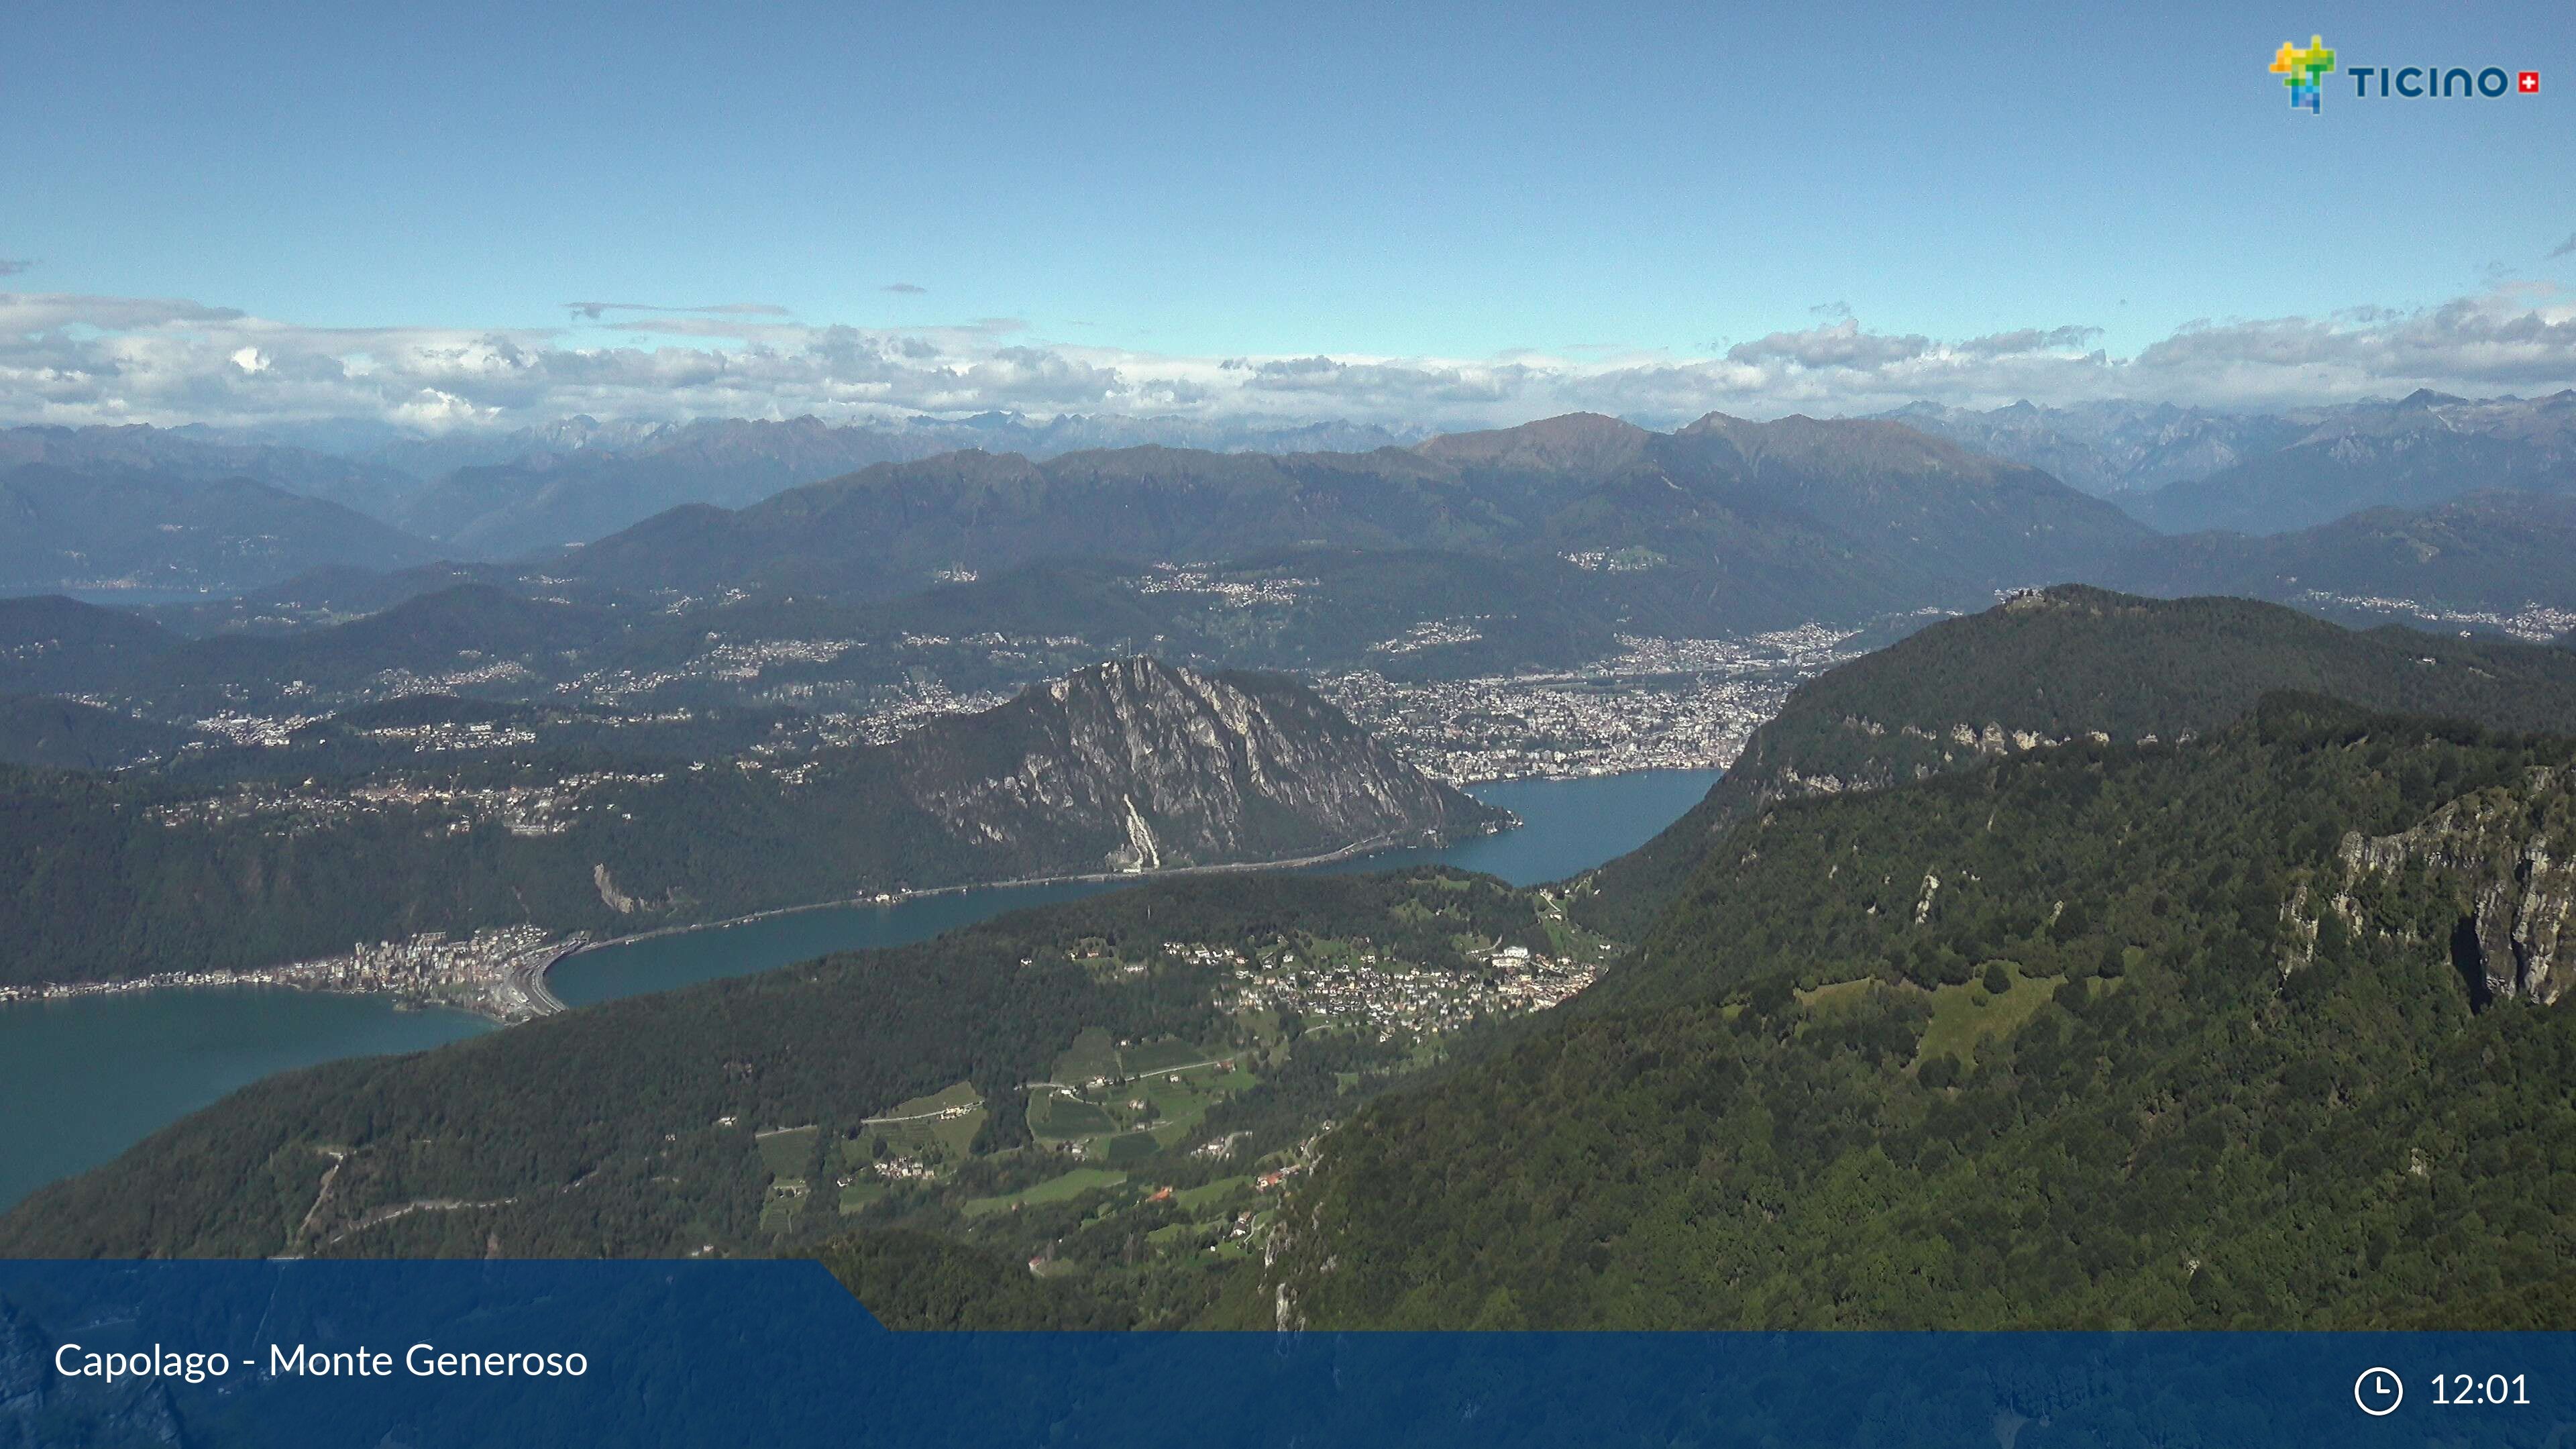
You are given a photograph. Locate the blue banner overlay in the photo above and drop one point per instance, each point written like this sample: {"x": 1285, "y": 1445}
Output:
{"x": 776, "y": 1354}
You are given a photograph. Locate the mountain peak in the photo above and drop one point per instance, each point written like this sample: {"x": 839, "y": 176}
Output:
{"x": 1589, "y": 441}
{"x": 2425, "y": 397}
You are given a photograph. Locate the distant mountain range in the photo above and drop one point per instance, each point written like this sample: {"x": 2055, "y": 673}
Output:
{"x": 2420, "y": 452}
{"x": 196, "y": 454}
{"x": 552, "y": 494}
{"x": 493, "y": 496}
{"x": 1723, "y": 524}
{"x": 2430, "y": 508}
{"x": 2185, "y": 470}
{"x": 2112, "y": 448}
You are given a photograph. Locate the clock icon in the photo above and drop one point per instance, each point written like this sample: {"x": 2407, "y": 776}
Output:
{"x": 2378, "y": 1391}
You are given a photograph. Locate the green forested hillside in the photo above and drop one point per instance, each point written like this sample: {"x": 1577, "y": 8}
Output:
{"x": 928, "y": 1088}
{"x": 2494, "y": 551}
{"x": 2071, "y": 661}
{"x": 63, "y": 734}
{"x": 913, "y": 1280}
{"x": 2099, "y": 1035}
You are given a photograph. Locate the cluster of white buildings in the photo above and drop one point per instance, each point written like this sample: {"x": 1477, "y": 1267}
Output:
{"x": 542, "y": 809}
{"x": 493, "y": 972}
{"x": 2535, "y": 622}
{"x": 1167, "y": 578}
{"x": 1366, "y": 991}
{"x": 1659, "y": 704}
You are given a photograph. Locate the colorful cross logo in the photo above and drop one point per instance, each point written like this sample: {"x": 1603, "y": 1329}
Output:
{"x": 2304, "y": 69}
{"x": 2528, "y": 83}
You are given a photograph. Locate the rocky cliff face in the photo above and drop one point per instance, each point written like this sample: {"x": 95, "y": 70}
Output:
{"x": 1141, "y": 765}
{"x": 2507, "y": 857}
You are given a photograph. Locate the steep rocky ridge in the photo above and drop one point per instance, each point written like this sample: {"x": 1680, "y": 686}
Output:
{"x": 1142, "y": 765}
{"x": 2505, "y": 860}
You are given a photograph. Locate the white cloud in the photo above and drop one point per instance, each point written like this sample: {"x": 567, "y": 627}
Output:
{"x": 593, "y": 311}
{"x": 84, "y": 359}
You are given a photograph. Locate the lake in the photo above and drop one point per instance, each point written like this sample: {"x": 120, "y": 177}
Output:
{"x": 82, "y": 1079}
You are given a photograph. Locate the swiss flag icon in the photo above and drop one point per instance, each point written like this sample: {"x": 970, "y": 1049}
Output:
{"x": 2528, "y": 83}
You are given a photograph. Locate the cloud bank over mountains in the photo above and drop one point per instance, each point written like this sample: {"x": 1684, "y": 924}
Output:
{"x": 94, "y": 359}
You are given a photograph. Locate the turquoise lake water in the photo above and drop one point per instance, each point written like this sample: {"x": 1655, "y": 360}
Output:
{"x": 83, "y": 1079}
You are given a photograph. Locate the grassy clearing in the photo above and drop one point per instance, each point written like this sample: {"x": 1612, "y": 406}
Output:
{"x": 1092, "y": 1055}
{"x": 947, "y": 1119}
{"x": 1199, "y": 1199}
{"x": 1133, "y": 1147}
{"x": 954, "y": 1095}
{"x": 788, "y": 1152}
{"x": 1965, "y": 1016}
{"x": 1162, "y": 1056}
{"x": 1055, "y": 1189}
{"x": 778, "y": 1211}
{"x": 1839, "y": 996}
{"x": 1060, "y": 1118}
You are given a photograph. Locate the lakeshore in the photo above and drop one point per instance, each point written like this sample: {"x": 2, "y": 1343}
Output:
{"x": 501, "y": 974}
{"x": 882, "y": 900}
{"x": 89, "y": 1075}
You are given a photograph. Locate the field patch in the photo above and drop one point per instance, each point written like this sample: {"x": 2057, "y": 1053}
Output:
{"x": 947, "y": 1119}
{"x": 1963, "y": 1017}
{"x": 1061, "y": 1118}
{"x": 1199, "y": 1199}
{"x": 1839, "y": 996}
{"x": 788, "y": 1151}
{"x": 1133, "y": 1147}
{"x": 1055, "y": 1189}
{"x": 1162, "y": 1056}
{"x": 1092, "y": 1057}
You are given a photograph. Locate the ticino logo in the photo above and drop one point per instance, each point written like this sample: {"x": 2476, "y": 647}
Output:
{"x": 2303, "y": 70}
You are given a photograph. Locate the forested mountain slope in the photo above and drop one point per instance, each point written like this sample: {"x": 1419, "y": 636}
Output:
{"x": 63, "y": 734}
{"x": 2073, "y": 661}
{"x": 142, "y": 530}
{"x": 645, "y": 1126}
{"x": 51, "y": 644}
{"x": 2096, "y": 1035}
{"x": 2494, "y": 552}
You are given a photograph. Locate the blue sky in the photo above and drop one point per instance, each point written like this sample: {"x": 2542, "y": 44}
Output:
{"x": 1150, "y": 191}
